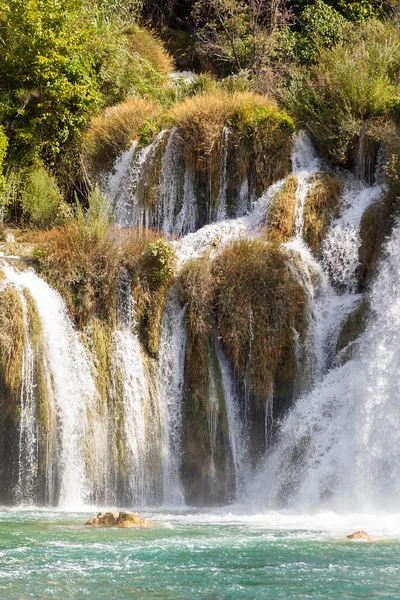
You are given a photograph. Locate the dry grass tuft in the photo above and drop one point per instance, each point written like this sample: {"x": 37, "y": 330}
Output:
{"x": 251, "y": 292}
{"x": 282, "y": 214}
{"x": 321, "y": 206}
{"x": 114, "y": 131}
{"x": 150, "y": 47}
{"x": 257, "y": 296}
{"x": 83, "y": 263}
{"x": 196, "y": 287}
{"x": 12, "y": 344}
{"x": 258, "y": 128}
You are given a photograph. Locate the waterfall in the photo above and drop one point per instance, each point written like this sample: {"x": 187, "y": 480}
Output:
{"x": 236, "y": 437}
{"x": 340, "y": 443}
{"x": 171, "y": 381}
{"x": 71, "y": 385}
{"x": 140, "y": 409}
{"x": 28, "y": 440}
{"x": 115, "y": 182}
{"x": 131, "y": 211}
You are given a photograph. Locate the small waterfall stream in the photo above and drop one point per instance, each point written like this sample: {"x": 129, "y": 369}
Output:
{"x": 72, "y": 388}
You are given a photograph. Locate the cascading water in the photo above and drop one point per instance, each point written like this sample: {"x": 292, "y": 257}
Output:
{"x": 130, "y": 210}
{"x": 170, "y": 382}
{"x": 340, "y": 443}
{"x": 72, "y": 393}
{"x": 28, "y": 440}
{"x": 138, "y": 403}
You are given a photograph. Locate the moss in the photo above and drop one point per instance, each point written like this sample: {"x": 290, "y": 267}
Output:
{"x": 258, "y": 302}
{"x": 320, "y": 207}
{"x": 282, "y": 213}
{"x": 196, "y": 447}
{"x": 12, "y": 344}
{"x": 261, "y": 132}
{"x": 100, "y": 333}
{"x": 196, "y": 288}
{"x": 376, "y": 224}
{"x": 354, "y": 325}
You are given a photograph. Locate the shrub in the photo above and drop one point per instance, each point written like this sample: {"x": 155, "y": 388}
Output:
{"x": 259, "y": 129}
{"x": 82, "y": 260}
{"x": 319, "y": 26}
{"x": 115, "y": 130}
{"x": 250, "y": 290}
{"x": 320, "y": 207}
{"x": 41, "y": 199}
{"x": 351, "y": 82}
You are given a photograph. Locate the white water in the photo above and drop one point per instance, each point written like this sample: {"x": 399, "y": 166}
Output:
{"x": 171, "y": 372}
{"x": 237, "y": 442}
{"x": 139, "y": 408}
{"x": 130, "y": 210}
{"x": 339, "y": 445}
{"x": 28, "y": 440}
{"x": 72, "y": 386}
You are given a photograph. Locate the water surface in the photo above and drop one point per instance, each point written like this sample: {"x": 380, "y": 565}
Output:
{"x": 198, "y": 555}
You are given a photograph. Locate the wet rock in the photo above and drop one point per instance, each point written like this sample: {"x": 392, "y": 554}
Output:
{"x": 119, "y": 519}
{"x": 359, "y": 535}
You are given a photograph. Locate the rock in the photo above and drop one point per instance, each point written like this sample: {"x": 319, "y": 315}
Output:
{"x": 359, "y": 535}
{"x": 119, "y": 519}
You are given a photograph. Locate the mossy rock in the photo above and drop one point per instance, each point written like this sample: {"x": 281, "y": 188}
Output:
{"x": 352, "y": 328}
{"x": 12, "y": 344}
{"x": 320, "y": 208}
{"x": 376, "y": 224}
{"x": 119, "y": 519}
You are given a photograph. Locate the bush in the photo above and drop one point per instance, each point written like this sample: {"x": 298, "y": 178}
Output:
{"x": 351, "y": 83}
{"x": 258, "y": 302}
{"x": 250, "y": 290}
{"x": 41, "y": 199}
{"x": 82, "y": 259}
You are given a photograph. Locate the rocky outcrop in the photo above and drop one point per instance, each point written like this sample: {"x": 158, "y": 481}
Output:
{"x": 119, "y": 519}
{"x": 359, "y": 535}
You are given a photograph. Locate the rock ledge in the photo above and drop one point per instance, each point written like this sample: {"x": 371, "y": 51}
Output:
{"x": 119, "y": 519}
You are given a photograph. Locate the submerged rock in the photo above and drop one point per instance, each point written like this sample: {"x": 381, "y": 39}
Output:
{"x": 359, "y": 535}
{"x": 119, "y": 519}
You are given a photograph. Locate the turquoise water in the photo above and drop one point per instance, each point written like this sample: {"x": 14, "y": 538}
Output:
{"x": 198, "y": 555}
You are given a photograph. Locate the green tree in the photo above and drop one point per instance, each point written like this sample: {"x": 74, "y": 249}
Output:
{"x": 60, "y": 62}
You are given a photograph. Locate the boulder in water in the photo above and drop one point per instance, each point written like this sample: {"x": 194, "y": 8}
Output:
{"x": 119, "y": 519}
{"x": 359, "y": 535}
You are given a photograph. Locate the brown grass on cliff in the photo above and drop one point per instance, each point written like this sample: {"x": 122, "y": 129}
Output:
{"x": 12, "y": 344}
{"x": 282, "y": 214}
{"x": 114, "y": 131}
{"x": 320, "y": 207}
{"x": 258, "y": 302}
